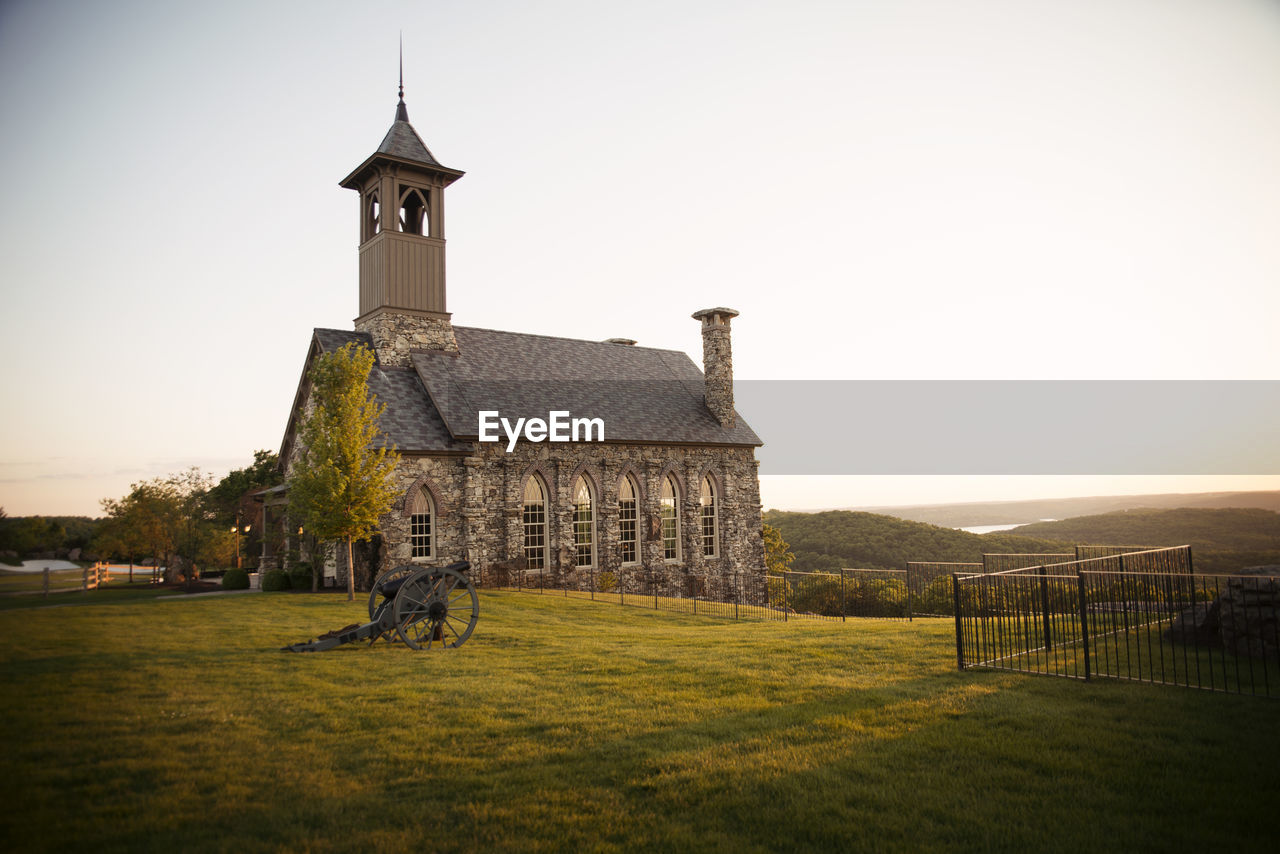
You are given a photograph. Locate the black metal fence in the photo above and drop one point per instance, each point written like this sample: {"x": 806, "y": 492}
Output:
{"x": 929, "y": 583}
{"x": 1145, "y": 616}
{"x": 1088, "y": 552}
{"x": 1006, "y": 562}
{"x": 878, "y": 593}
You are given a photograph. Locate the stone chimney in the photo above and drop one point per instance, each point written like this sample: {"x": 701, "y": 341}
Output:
{"x": 717, "y": 362}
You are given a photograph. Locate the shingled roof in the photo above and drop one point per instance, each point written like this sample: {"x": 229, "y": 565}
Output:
{"x": 402, "y": 145}
{"x": 403, "y": 141}
{"x": 410, "y": 419}
{"x": 642, "y": 394}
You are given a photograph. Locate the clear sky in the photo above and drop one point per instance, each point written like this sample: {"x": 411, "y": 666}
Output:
{"x": 906, "y": 189}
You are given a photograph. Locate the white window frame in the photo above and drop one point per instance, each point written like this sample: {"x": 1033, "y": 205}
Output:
{"x": 629, "y": 521}
{"x": 535, "y": 556}
{"x": 587, "y": 527}
{"x": 709, "y": 510}
{"x": 670, "y": 505}
{"x": 422, "y": 546}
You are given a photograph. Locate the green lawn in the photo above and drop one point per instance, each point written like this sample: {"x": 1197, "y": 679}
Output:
{"x": 574, "y": 725}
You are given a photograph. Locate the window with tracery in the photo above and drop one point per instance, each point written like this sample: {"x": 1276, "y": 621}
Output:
{"x": 413, "y": 212}
{"x": 584, "y": 524}
{"x": 372, "y": 216}
{"x": 628, "y": 512}
{"x": 709, "y": 513}
{"x": 421, "y": 516}
{"x": 534, "y": 519}
{"x": 670, "y": 502}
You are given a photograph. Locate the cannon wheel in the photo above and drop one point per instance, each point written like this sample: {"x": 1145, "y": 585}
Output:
{"x": 436, "y": 607}
{"x": 375, "y": 592}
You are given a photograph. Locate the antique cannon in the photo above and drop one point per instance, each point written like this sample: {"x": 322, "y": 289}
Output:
{"x": 421, "y": 606}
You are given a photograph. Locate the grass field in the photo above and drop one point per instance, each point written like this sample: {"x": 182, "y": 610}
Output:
{"x": 571, "y": 725}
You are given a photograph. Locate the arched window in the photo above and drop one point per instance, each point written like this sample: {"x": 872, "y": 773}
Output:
{"x": 670, "y": 519}
{"x": 413, "y": 211}
{"x": 628, "y": 506}
{"x": 584, "y": 524}
{"x": 421, "y": 519}
{"x": 710, "y": 516}
{"x": 372, "y": 216}
{"x": 534, "y": 516}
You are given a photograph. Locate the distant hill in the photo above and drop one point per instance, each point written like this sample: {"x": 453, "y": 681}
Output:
{"x": 1221, "y": 540}
{"x": 837, "y": 539}
{"x": 1009, "y": 512}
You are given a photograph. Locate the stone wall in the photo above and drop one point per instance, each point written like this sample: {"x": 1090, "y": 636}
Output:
{"x": 396, "y": 335}
{"x": 1249, "y": 612}
{"x": 478, "y": 501}
{"x": 1244, "y": 618}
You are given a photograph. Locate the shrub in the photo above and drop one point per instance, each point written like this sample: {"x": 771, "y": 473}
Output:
{"x": 300, "y": 575}
{"x": 274, "y": 580}
{"x": 936, "y": 598}
{"x": 818, "y": 594}
{"x": 235, "y": 579}
{"x": 606, "y": 581}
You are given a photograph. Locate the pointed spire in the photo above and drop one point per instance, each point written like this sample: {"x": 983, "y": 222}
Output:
{"x": 402, "y": 112}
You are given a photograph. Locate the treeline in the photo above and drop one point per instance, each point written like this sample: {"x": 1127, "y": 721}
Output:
{"x": 851, "y": 539}
{"x": 1236, "y": 528}
{"x": 1222, "y": 540}
{"x": 185, "y": 518}
{"x": 44, "y": 536}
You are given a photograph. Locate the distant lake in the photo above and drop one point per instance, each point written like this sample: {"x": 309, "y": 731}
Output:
{"x": 41, "y": 565}
{"x": 55, "y": 565}
{"x": 991, "y": 529}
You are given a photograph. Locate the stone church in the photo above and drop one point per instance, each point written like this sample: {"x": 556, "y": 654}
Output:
{"x": 668, "y": 500}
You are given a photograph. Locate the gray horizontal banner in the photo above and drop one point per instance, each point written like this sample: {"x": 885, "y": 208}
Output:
{"x": 926, "y": 427}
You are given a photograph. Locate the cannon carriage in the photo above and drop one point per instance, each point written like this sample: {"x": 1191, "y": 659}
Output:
{"x": 421, "y": 607}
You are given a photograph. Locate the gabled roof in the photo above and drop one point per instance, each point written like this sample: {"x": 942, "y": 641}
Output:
{"x": 410, "y": 420}
{"x": 641, "y": 393}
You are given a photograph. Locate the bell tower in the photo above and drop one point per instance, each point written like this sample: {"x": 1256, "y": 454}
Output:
{"x": 402, "y": 281}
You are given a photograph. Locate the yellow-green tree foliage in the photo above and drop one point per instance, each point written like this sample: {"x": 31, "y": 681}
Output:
{"x": 343, "y": 479}
{"x": 777, "y": 554}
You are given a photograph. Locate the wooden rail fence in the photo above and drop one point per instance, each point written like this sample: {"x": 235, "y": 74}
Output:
{"x": 91, "y": 577}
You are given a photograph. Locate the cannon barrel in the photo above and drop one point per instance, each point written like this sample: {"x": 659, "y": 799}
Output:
{"x": 420, "y": 606}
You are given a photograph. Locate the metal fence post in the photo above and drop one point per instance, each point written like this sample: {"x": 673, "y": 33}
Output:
{"x": 737, "y": 592}
{"x": 842, "y": 605}
{"x": 1044, "y": 605}
{"x": 955, "y": 591}
{"x": 46, "y": 582}
{"x": 784, "y": 597}
{"x": 1084, "y": 622}
{"x": 907, "y": 576}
